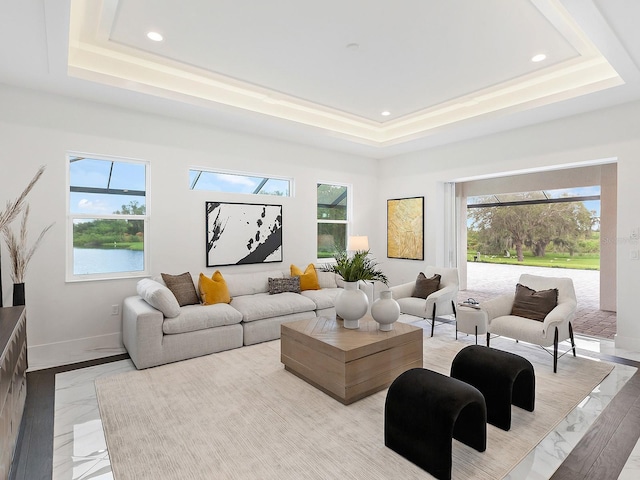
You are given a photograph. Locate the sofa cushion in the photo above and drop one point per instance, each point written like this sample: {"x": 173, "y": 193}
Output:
{"x": 308, "y": 278}
{"x": 182, "y": 287}
{"x": 528, "y": 303}
{"x": 200, "y": 317}
{"x": 159, "y": 297}
{"x": 280, "y": 285}
{"x": 213, "y": 290}
{"x": 326, "y": 279}
{"x": 325, "y": 298}
{"x": 425, "y": 286}
{"x": 250, "y": 283}
{"x": 263, "y": 305}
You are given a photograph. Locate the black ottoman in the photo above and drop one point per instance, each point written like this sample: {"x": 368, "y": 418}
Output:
{"x": 424, "y": 410}
{"x": 503, "y": 378}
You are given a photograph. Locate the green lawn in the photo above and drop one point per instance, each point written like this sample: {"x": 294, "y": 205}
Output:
{"x": 554, "y": 260}
{"x": 125, "y": 245}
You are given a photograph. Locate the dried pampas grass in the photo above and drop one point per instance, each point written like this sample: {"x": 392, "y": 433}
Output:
{"x": 14, "y": 208}
{"x": 17, "y": 246}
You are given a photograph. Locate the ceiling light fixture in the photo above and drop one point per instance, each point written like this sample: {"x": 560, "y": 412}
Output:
{"x": 538, "y": 58}
{"x": 155, "y": 36}
{"x": 386, "y": 113}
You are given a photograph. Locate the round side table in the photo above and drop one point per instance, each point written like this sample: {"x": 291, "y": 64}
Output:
{"x": 471, "y": 320}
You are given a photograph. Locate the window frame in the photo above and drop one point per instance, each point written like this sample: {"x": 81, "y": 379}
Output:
{"x": 239, "y": 173}
{"x": 70, "y": 276}
{"x": 348, "y": 211}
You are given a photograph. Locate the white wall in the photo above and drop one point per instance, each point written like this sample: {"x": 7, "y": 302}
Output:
{"x": 69, "y": 322}
{"x": 606, "y": 134}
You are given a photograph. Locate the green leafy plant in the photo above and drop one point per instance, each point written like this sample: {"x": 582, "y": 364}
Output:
{"x": 357, "y": 267}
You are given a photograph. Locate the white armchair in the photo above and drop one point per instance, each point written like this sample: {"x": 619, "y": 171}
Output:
{"x": 556, "y": 326}
{"x": 441, "y": 302}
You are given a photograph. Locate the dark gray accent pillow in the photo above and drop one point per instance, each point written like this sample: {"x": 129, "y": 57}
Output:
{"x": 425, "y": 286}
{"x": 534, "y": 305}
{"x": 182, "y": 288}
{"x": 280, "y": 285}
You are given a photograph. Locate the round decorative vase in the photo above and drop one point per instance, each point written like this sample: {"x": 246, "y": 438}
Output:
{"x": 385, "y": 311}
{"x": 351, "y": 305}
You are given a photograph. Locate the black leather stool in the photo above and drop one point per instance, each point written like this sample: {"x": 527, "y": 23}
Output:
{"x": 424, "y": 410}
{"x": 503, "y": 378}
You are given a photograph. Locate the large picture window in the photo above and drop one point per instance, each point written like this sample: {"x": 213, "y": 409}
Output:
{"x": 333, "y": 218}
{"x": 107, "y": 218}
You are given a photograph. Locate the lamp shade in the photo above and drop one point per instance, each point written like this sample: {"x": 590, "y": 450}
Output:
{"x": 358, "y": 243}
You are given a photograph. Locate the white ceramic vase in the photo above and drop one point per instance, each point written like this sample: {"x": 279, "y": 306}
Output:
{"x": 351, "y": 305}
{"x": 385, "y": 311}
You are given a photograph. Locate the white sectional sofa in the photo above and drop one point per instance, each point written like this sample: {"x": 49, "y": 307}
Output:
{"x": 157, "y": 331}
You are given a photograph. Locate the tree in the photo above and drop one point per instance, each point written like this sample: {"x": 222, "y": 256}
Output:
{"x": 533, "y": 225}
{"x": 135, "y": 227}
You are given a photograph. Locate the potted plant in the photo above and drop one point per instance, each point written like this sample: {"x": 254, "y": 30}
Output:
{"x": 352, "y": 303}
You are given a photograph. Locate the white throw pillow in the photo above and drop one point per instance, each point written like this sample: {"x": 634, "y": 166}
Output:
{"x": 159, "y": 297}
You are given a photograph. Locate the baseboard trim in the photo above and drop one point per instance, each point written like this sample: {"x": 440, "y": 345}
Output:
{"x": 627, "y": 343}
{"x": 74, "y": 351}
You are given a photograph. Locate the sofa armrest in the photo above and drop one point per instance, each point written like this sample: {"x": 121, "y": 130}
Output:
{"x": 443, "y": 298}
{"x": 498, "y": 306}
{"x": 403, "y": 290}
{"x": 560, "y": 314}
{"x": 141, "y": 331}
{"x": 446, "y": 293}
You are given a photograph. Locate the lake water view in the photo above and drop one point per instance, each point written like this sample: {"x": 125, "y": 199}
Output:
{"x": 106, "y": 260}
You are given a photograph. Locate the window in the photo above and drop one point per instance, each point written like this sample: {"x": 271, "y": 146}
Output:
{"x": 333, "y": 219}
{"x": 107, "y": 220}
{"x": 218, "y": 181}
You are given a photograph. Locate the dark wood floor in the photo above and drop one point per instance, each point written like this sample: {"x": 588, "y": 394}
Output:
{"x": 600, "y": 455}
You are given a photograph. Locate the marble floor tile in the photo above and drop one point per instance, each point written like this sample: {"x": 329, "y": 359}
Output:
{"x": 80, "y": 451}
{"x": 79, "y": 447}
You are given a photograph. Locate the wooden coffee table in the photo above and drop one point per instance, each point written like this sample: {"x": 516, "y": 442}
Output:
{"x": 349, "y": 364}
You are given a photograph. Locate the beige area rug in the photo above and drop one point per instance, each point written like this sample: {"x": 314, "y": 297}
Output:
{"x": 240, "y": 415}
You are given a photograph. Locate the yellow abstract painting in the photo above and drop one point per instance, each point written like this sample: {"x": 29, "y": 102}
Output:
{"x": 405, "y": 228}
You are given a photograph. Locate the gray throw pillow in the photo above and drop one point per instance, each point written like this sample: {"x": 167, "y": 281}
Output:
{"x": 425, "y": 286}
{"x": 534, "y": 305}
{"x": 280, "y": 285}
{"x": 182, "y": 287}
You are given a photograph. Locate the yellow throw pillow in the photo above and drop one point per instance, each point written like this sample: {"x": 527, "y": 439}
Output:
{"x": 213, "y": 290}
{"x": 308, "y": 278}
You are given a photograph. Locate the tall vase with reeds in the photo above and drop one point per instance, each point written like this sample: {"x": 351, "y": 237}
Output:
{"x": 20, "y": 255}
{"x": 11, "y": 212}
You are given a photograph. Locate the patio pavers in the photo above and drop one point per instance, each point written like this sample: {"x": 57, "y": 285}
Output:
{"x": 488, "y": 280}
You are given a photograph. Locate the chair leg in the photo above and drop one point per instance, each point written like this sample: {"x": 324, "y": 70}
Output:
{"x": 433, "y": 319}
{"x": 476, "y": 334}
{"x": 555, "y": 352}
{"x": 453, "y": 305}
{"x": 488, "y": 338}
{"x": 573, "y": 344}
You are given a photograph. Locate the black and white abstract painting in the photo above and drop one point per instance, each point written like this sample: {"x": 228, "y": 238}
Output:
{"x": 243, "y": 233}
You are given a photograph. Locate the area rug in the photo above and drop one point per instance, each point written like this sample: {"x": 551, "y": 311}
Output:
{"x": 240, "y": 415}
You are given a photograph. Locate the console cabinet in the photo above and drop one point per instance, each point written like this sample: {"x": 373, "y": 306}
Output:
{"x": 13, "y": 381}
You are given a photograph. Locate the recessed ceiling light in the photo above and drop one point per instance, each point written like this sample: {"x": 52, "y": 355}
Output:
{"x": 353, "y": 46}
{"x": 538, "y": 58}
{"x": 386, "y": 113}
{"x": 155, "y": 36}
